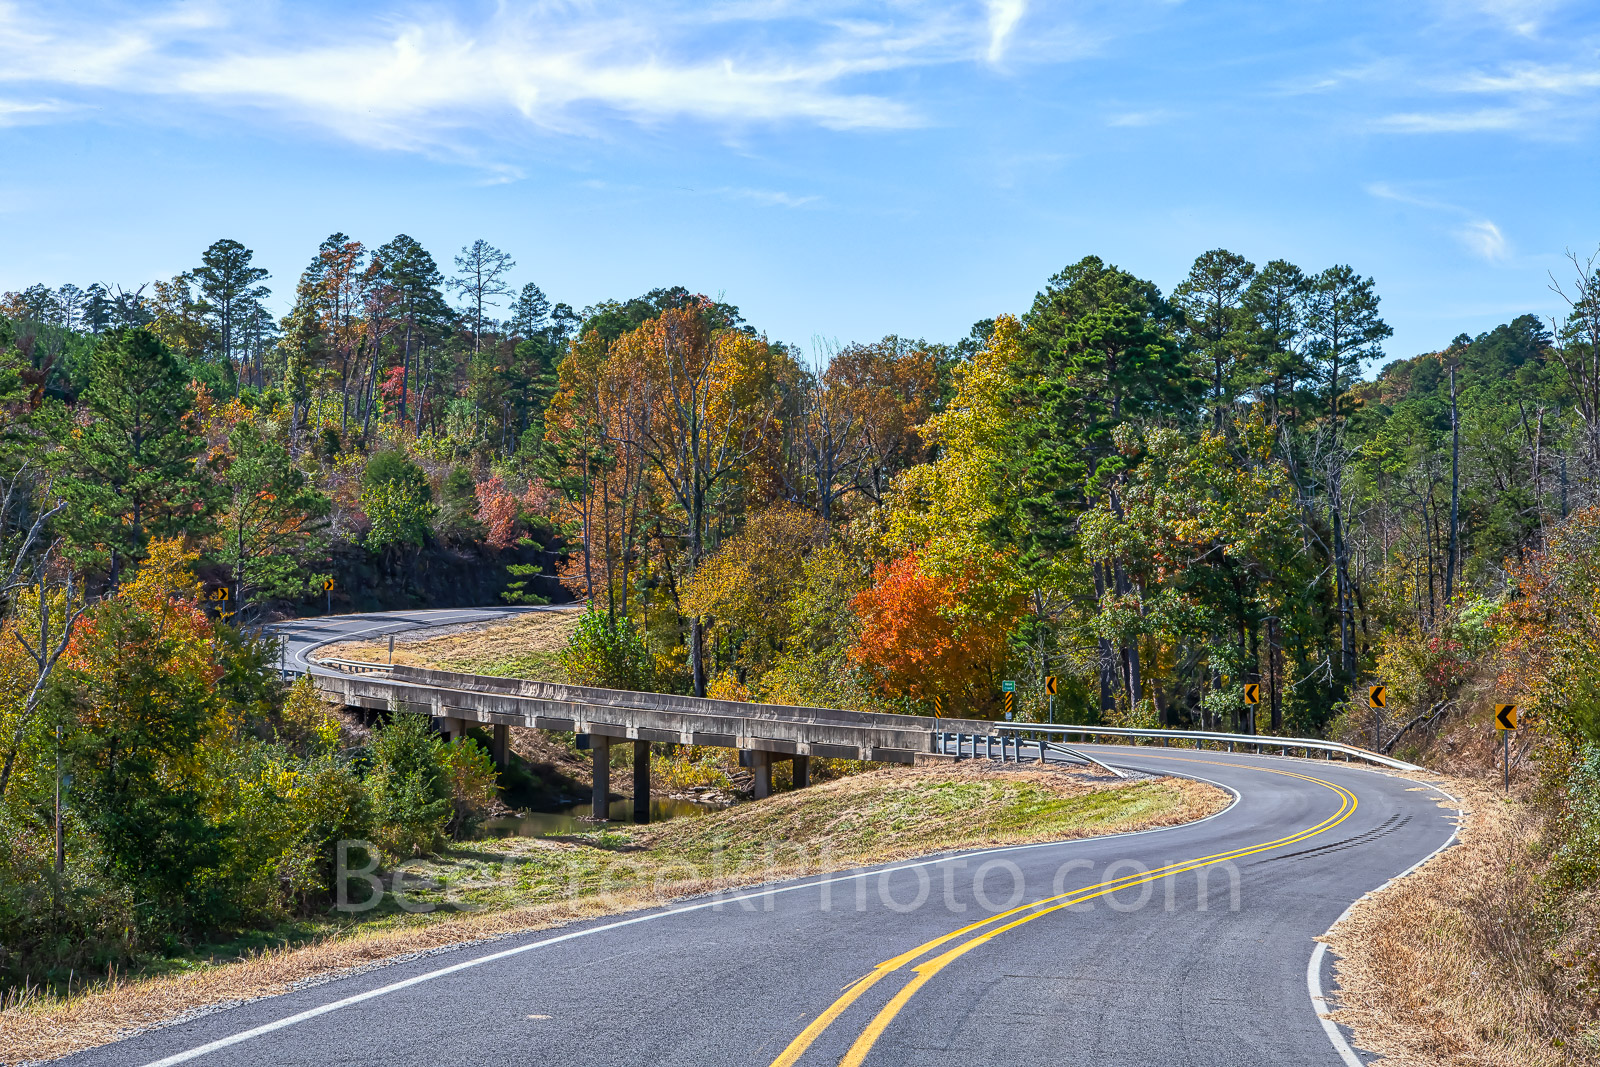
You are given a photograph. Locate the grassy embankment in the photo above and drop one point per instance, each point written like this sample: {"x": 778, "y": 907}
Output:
{"x": 528, "y": 646}
{"x": 531, "y": 883}
{"x": 1483, "y": 956}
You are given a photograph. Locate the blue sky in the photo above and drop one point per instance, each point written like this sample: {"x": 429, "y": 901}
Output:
{"x": 838, "y": 170}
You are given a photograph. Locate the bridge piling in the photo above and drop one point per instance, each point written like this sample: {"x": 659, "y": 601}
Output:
{"x": 500, "y": 746}
{"x": 761, "y": 764}
{"x": 641, "y": 782}
{"x": 601, "y": 744}
{"x": 802, "y": 771}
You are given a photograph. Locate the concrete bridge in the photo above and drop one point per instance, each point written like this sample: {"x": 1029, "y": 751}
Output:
{"x": 764, "y": 733}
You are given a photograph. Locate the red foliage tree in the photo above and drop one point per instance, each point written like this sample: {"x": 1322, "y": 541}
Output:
{"x": 918, "y": 641}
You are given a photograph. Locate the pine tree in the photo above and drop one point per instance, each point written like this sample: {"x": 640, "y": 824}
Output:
{"x": 130, "y": 459}
{"x": 230, "y": 297}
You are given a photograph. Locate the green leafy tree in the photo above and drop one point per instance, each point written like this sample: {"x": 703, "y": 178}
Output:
{"x": 130, "y": 454}
{"x": 273, "y": 517}
{"x": 398, "y": 501}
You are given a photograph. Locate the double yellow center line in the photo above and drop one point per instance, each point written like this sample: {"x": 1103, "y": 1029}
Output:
{"x": 986, "y": 930}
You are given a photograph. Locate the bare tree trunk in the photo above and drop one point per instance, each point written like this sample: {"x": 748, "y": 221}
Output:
{"x": 1455, "y": 492}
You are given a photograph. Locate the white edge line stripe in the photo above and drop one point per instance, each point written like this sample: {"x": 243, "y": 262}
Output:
{"x": 1319, "y": 999}
{"x": 324, "y": 1009}
{"x": 405, "y": 624}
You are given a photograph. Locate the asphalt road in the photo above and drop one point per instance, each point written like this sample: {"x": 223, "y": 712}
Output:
{"x": 301, "y": 636}
{"x": 1184, "y": 946}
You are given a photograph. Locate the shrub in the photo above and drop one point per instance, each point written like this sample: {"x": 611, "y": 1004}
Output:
{"x": 474, "y": 785}
{"x": 609, "y": 653}
{"x": 410, "y": 786}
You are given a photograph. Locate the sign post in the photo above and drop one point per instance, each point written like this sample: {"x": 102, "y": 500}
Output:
{"x": 327, "y": 587}
{"x": 1252, "y": 697}
{"x": 1050, "y": 687}
{"x": 1009, "y": 687}
{"x": 1377, "y": 700}
{"x": 1505, "y": 720}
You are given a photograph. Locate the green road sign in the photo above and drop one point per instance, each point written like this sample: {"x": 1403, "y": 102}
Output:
{"x": 1008, "y": 687}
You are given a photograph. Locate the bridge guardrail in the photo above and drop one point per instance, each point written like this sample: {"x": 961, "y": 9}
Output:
{"x": 1200, "y": 737}
{"x": 354, "y": 666}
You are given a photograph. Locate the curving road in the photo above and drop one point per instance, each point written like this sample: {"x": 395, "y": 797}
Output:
{"x": 303, "y": 636}
{"x": 1191, "y": 945}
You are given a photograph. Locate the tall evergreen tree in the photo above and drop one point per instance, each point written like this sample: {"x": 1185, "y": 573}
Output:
{"x": 230, "y": 299}
{"x": 130, "y": 460}
{"x": 1212, "y": 301}
{"x": 1342, "y": 319}
{"x": 408, "y": 267}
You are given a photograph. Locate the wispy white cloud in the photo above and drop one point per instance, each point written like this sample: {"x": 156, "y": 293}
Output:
{"x": 1523, "y": 17}
{"x": 769, "y": 197}
{"x": 16, "y": 112}
{"x": 419, "y": 78}
{"x": 1484, "y": 239}
{"x": 1153, "y": 117}
{"x": 1003, "y": 18}
{"x": 1494, "y": 118}
{"x": 1531, "y": 78}
{"x": 1480, "y": 235}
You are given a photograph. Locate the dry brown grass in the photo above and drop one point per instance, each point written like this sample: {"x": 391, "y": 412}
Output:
{"x": 529, "y": 644}
{"x": 1455, "y": 965}
{"x": 47, "y": 1028}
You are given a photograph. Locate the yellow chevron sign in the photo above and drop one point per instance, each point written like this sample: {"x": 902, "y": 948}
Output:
{"x": 1505, "y": 716}
{"x": 1376, "y": 697}
{"x": 1252, "y": 693}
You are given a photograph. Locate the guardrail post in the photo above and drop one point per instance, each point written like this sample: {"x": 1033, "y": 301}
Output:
{"x": 601, "y": 799}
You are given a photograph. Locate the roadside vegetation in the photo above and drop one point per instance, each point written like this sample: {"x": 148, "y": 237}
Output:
{"x": 1491, "y": 953}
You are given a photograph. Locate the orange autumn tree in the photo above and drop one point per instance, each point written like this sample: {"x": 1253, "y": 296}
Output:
{"x": 925, "y": 635}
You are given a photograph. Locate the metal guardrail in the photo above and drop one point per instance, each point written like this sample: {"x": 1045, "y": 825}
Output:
{"x": 1258, "y": 742}
{"x": 1013, "y": 749}
{"x": 354, "y": 666}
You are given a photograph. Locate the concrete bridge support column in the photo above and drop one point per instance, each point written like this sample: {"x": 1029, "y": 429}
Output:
{"x": 641, "y": 782}
{"x": 802, "y": 771}
{"x": 500, "y": 748}
{"x": 602, "y": 775}
{"x": 761, "y": 764}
